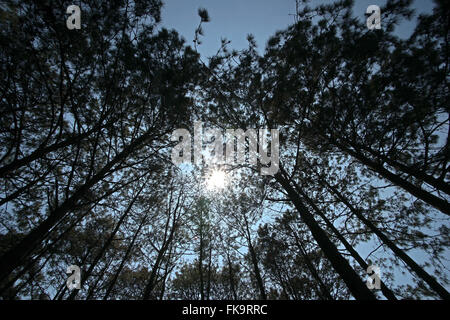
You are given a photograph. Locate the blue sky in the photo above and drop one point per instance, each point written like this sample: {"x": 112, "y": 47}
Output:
{"x": 235, "y": 19}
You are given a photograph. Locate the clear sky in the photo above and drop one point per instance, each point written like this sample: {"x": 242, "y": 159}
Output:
{"x": 235, "y": 19}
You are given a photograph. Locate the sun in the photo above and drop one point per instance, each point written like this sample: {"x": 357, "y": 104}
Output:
{"x": 216, "y": 181}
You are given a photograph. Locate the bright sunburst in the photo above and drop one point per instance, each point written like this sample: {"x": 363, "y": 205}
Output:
{"x": 216, "y": 181}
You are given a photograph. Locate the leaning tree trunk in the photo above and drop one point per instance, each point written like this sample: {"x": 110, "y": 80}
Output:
{"x": 231, "y": 276}
{"x": 439, "y": 184}
{"x": 418, "y": 270}
{"x": 124, "y": 259}
{"x": 106, "y": 245}
{"x": 356, "y": 286}
{"x": 312, "y": 269}
{"x": 421, "y": 194}
{"x": 384, "y": 289}
{"x": 13, "y": 258}
{"x": 152, "y": 280}
{"x": 259, "y": 281}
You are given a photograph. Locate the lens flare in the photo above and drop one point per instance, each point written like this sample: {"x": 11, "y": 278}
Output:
{"x": 216, "y": 181}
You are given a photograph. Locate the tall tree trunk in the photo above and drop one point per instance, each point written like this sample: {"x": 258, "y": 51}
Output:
{"x": 167, "y": 242}
{"x": 259, "y": 281}
{"x": 83, "y": 260}
{"x": 420, "y": 175}
{"x": 356, "y": 286}
{"x": 324, "y": 292}
{"x": 124, "y": 259}
{"x": 200, "y": 266}
{"x": 231, "y": 275}
{"x": 421, "y": 194}
{"x": 92, "y": 288}
{"x": 167, "y": 270}
{"x": 13, "y": 258}
{"x": 384, "y": 289}
{"x": 208, "y": 285}
{"x": 33, "y": 274}
{"x": 35, "y": 259}
{"x": 101, "y": 252}
{"x": 418, "y": 270}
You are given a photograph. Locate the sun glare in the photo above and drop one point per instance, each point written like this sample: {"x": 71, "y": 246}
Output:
{"x": 216, "y": 181}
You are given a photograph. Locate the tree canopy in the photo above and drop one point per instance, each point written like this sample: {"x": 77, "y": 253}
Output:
{"x": 87, "y": 177}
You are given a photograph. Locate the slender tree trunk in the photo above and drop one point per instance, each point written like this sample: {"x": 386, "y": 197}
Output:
{"x": 124, "y": 259}
{"x": 83, "y": 260}
{"x": 200, "y": 266}
{"x": 33, "y": 274}
{"x": 420, "y": 175}
{"x": 167, "y": 271}
{"x": 384, "y": 289}
{"x": 324, "y": 292}
{"x": 208, "y": 286}
{"x": 285, "y": 288}
{"x": 421, "y": 194}
{"x": 87, "y": 274}
{"x": 357, "y": 287}
{"x": 418, "y": 270}
{"x": 100, "y": 276}
{"x": 13, "y": 258}
{"x": 11, "y": 282}
{"x": 59, "y": 292}
{"x": 152, "y": 280}
{"x": 50, "y": 246}
{"x": 230, "y": 274}
{"x": 259, "y": 280}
